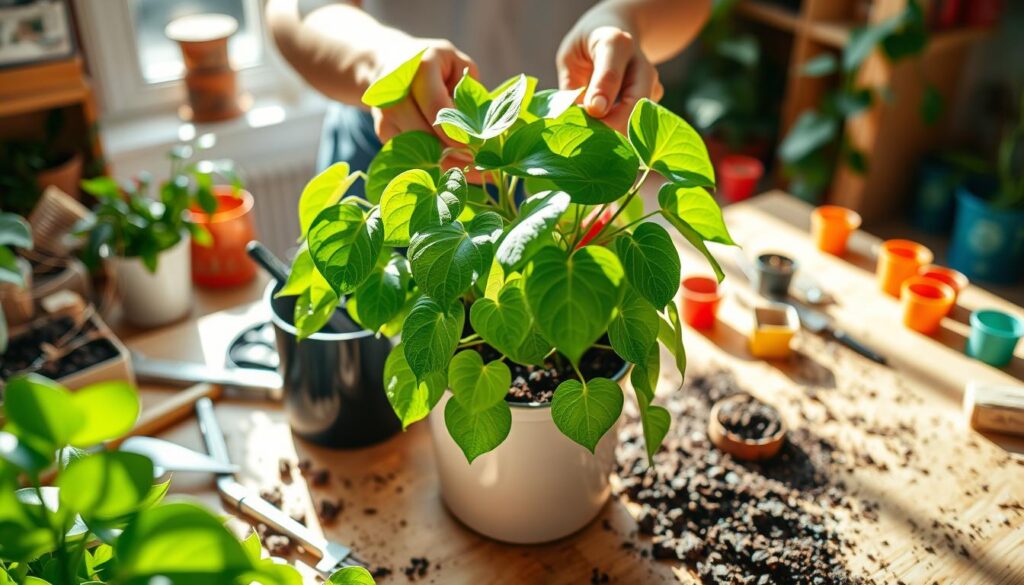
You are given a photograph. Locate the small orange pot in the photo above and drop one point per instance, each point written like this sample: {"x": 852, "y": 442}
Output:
{"x": 925, "y": 302}
{"x": 700, "y": 301}
{"x": 954, "y": 278}
{"x": 898, "y": 260}
{"x": 225, "y": 262}
{"x": 831, "y": 227}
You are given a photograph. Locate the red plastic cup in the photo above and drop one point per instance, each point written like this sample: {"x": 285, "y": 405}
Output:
{"x": 738, "y": 176}
{"x": 700, "y": 301}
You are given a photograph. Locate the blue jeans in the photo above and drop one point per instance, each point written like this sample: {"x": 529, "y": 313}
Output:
{"x": 348, "y": 136}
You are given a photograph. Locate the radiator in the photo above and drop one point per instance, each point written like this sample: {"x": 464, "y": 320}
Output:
{"x": 276, "y": 189}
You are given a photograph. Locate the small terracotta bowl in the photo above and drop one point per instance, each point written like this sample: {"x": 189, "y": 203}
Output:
{"x": 738, "y": 447}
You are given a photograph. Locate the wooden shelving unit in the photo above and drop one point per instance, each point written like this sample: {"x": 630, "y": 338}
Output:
{"x": 892, "y": 133}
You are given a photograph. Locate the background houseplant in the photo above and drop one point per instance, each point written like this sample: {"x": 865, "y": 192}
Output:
{"x": 103, "y": 519}
{"x": 26, "y": 167}
{"x": 988, "y": 233}
{"x": 516, "y": 273}
{"x": 14, "y": 233}
{"x": 148, "y": 238}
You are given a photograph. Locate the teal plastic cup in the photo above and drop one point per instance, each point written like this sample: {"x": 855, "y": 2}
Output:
{"x": 994, "y": 336}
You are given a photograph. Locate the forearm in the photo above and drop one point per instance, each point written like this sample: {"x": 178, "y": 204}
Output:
{"x": 336, "y": 47}
{"x": 662, "y": 27}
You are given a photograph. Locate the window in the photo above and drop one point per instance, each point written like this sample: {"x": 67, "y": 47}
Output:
{"x": 139, "y": 69}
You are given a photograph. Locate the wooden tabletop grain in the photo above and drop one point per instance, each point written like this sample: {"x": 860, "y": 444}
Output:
{"x": 938, "y": 486}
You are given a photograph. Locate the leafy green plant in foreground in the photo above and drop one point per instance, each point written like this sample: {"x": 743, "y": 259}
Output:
{"x": 517, "y": 272}
{"x": 103, "y": 520}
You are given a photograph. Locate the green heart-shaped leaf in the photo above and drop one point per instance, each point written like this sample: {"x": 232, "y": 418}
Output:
{"x": 300, "y": 276}
{"x": 411, "y": 398}
{"x": 537, "y": 217}
{"x": 504, "y": 321}
{"x": 654, "y": 419}
{"x": 42, "y": 411}
{"x": 382, "y": 295}
{"x": 651, "y": 263}
{"x": 108, "y": 410}
{"x": 393, "y": 86}
{"x": 344, "y": 242}
{"x": 575, "y": 295}
{"x": 670, "y": 334}
{"x": 406, "y": 151}
{"x": 351, "y": 576}
{"x": 407, "y": 206}
{"x": 106, "y": 485}
{"x": 694, "y": 213}
{"x": 477, "y": 432}
{"x": 447, "y": 259}
{"x": 634, "y": 329}
{"x": 532, "y": 350}
{"x": 552, "y": 103}
{"x": 585, "y": 411}
{"x": 431, "y": 334}
{"x": 315, "y": 306}
{"x": 486, "y": 119}
{"x": 670, "y": 146}
{"x": 322, "y": 191}
{"x": 478, "y": 386}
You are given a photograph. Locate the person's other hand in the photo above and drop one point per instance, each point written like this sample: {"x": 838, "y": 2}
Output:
{"x": 609, "y": 63}
{"x": 440, "y": 70}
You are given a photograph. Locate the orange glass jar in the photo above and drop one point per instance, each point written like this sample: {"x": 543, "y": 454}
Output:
{"x": 225, "y": 263}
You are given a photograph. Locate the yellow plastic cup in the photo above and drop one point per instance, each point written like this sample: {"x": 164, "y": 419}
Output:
{"x": 774, "y": 327}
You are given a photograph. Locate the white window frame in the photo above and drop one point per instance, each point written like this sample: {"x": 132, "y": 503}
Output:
{"x": 108, "y": 36}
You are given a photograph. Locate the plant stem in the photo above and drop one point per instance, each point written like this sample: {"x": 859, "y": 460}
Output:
{"x": 475, "y": 337}
{"x": 612, "y": 235}
{"x": 579, "y": 374}
{"x": 629, "y": 197}
{"x": 602, "y": 346}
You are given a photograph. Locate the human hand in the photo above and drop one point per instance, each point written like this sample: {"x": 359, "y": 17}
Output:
{"x": 609, "y": 63}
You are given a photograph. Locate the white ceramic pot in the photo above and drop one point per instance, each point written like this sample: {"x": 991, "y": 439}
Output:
{"x": 151, "y": 299}
{"x": 535, "y": 487}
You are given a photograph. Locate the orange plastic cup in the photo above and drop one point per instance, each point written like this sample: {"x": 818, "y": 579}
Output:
{"x": 831, "y": 227}
{"x": 225, "y": 262}
{"x": 954, "y": 278}
{"x": 700, "y": 301}
{"x": 898, "y": 260}
{"x": 925, "y": 302}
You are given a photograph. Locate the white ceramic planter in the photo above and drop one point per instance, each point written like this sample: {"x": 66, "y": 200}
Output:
{"x": 152, "y": 299}
{"x": 535, "y": 487}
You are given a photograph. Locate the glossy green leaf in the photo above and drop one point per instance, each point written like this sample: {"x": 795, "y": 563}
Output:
{"x": 23, "y": 454}
{"x": 447, "y": 259}
{"x": 15, "y": 231}
{"x": 406, "y": 151}
{"x": 412, "y": 399}
{"x": 108, "y": 410}
{"x": 811, "y": 131}
{"x": 585, "y": 411}
{"x": 532, "y": 350}
{"x": 351, "y": 576}
{"x": 483, "y": 120}
{"x": 573, "y": 296}
{"x": 10, "y": 271}
{"x": 382, "y": 295}
{"x": 315, "y": 306}
{"x": 670, "y": 146}
{"x": 552, "y": 103}
{"x": 645, "y": 373}
{"x": 42, "y": 411}
{"x": 655, "y": 420}
{"x": 634, "y": 329}
{"x": 695, "y": 215}
{"x": 670, "y": 334}
{"x": 392, "y": 87}
{"x": 477, "y": 433}
{"x": 301, "y": 275}
{"x": 575, "y": 154}
{"x": 431, "y": 333}
{"x": 478, "y": 386}
{"x": 504, "y": 321}
{"x": 538, "y": 216}
{"x": 322, "y": 191}
{"x": 651, "y": 262}
{"x": 253, "y": 546}
{"x": 407, "y": 206}
{"x": 344, "y": 242}
{"x": 106, "y": 485}
{"x": 182, "y": 542}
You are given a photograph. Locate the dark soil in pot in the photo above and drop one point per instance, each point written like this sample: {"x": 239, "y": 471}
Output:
{"x": 750, "y": 419}
{"x": 26, "y": 349}
{"x": 537, "y": 384}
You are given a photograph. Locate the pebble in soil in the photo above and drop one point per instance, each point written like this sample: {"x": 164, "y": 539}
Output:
{"x": 734, "y": 522}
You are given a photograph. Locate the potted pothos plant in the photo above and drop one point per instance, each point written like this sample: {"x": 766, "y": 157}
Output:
{"x": 147, "y": 239}
{"x": 518, "y": 319}
{"x": 103, "y": 520}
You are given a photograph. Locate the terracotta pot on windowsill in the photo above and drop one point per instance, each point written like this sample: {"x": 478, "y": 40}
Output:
{"x": 210, "y": 80}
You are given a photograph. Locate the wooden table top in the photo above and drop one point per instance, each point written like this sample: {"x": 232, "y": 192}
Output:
{"x": 960, "y": 489}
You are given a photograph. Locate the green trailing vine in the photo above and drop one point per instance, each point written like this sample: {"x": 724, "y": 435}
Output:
{"x": 531, "y": 278}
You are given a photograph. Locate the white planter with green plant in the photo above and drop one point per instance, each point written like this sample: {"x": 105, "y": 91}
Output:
{"x": 491, "y": 285}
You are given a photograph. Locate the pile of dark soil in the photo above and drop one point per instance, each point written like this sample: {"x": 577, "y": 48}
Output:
{"x": 734, "y": 522}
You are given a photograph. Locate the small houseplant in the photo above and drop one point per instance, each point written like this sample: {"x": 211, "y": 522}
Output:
{"x": 988, "y": 231}
{"x": 489, "y": 285}
{"x": 28, "y": 166}
{"x": 104, "y": 520}
{"x": 147, "y": 238}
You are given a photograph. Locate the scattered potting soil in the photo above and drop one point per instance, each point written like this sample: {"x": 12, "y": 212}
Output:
{"x": 749, "y": 418}
{"x": 24, "y": 351}
{"x": 537, "y": 384}
{"x": 418, "y": 567}
{"x": 730, "y": 521}
{"x": 328, "y": 510}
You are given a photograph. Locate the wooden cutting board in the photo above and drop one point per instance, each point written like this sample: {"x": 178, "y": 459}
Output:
{"x": 934, "y": 485}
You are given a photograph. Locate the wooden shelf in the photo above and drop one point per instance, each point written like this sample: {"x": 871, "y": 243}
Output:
{"x": 770, "y": 14}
